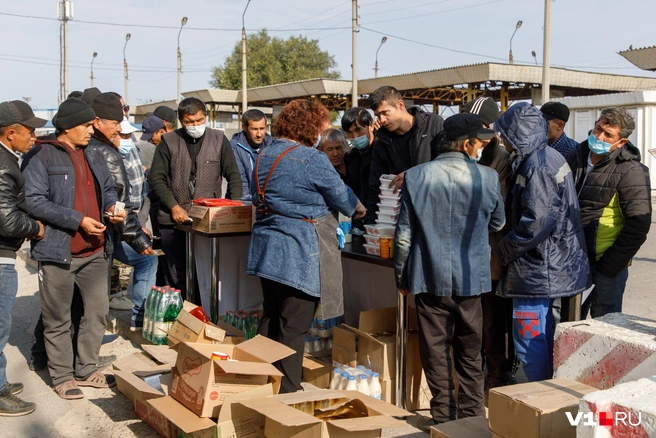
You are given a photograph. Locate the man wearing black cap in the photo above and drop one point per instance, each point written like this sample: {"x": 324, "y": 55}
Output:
{"x": 167, "y": 115}
{"x": 69, "y": 188}
{"x": 132, "y": 244}
{"x": 17, "y": 125}
{"x": 441, "y": 256}
{"x": 557, "y": 115}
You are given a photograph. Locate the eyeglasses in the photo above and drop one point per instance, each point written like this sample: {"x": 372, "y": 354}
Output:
{"x": 126, "y": 108}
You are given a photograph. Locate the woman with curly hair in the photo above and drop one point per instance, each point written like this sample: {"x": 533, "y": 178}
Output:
{"x": 293, "y": 245}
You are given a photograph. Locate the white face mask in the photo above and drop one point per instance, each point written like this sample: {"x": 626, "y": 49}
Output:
{"x": 195, "y": 131}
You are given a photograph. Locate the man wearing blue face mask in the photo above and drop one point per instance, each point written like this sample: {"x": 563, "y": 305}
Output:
{"x": 358, "y": 126}
{"x": 614, "y": 193}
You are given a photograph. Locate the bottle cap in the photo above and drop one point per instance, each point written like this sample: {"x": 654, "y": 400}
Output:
{"x": 363, "y": 376}
{"x": 361, "y": 367}
{"x": 351, "y": 378}
{"x": 345, "y": 375}
{"x": 375, "y": 375}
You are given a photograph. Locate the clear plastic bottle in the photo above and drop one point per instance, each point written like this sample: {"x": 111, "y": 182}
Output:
{"x": 336, "y": 379}
{"x": 255, "y": 323}
{"x": 316, "y": 344}
{"x": 147, "y": 312}
{"x": 329, "y": 343}
{"x": 361, "y": 368}
{"x": 369, "y": 374}
{"x": 375, "y": 389}
{"x": 228, "y": 317}
{"x": 352, "y": 385}
{"x": 243, "y": 325}
{"x": 363, "y": 385}
{"x": 173, "y": 308}
{"x": 344, "y": 381}
{"x": 159, "y": 292}
{"x": 308, "y": 344}
{"x": 160, "y": 325}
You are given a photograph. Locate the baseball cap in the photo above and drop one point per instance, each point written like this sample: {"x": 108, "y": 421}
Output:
{"x": 555, "y": 110}
{"x": 19, "y": 112}
{"x": 126, "y": 127}
{"x": 485, "y": 108}
{"x": 150, "y": 126}
{"x": 466, "y": 126}
{"x": 165, "y": 113}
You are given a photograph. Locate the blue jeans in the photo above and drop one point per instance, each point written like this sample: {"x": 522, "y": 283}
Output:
{"x": 533, "y": 336}
{"x": 143, "y": 277}
{"x": 607, "y": 295}
{"x": 8, "y": 290}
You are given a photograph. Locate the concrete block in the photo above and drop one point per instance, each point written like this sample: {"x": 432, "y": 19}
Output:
{"x": 606, "y": 351}
{"x": 627, "y": 410}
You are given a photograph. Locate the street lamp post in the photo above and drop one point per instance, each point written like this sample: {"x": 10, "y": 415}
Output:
{"x": 93, "y": 59}
{"x": 177, "y": 97}
{"x": 125, "y": 69}
{"x": 510, "y": 55}
{"x": 534, "y": 57}
{"x": 244, "y": 78}
{"x": 382, "y": 41}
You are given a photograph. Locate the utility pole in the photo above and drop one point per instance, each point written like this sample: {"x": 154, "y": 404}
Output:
{"x": 64, "y": 14}
{"x": 125, "y": 69}
{"x": 354, "y": 79}
{"x": 547, "y": 47}
{"x": 244, "y": 70}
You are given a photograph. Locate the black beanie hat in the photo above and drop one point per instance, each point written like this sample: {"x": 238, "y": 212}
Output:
{"x": 108, "y": 106}
{"x": 89, "y": 94}
{"x": 72, "y": 113}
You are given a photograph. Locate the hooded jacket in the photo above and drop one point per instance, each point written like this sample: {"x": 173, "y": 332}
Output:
{"x": 130, "y": 229}
{"x": 544, "y": 251}
{"x": 245, "y": 156}
{"x": 615, "y": 199}
{"x": 385, "y": 160}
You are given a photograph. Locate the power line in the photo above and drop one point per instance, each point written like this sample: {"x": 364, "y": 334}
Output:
{"x": 435, "y": 13}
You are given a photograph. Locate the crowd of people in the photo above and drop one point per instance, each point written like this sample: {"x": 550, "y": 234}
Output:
{"x": 501, "y": 217}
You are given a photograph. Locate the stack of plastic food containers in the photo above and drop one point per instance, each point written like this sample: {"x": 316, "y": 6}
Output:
{"x": 380, "y": 238}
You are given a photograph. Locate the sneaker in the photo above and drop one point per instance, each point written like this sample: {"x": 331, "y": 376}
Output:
{"x": 105, "y": 361}
{"x": 38, "y": 362}
{"x": 120, "y": 303}
{"x": 136, "y": 323}
{"x": 12, "y": 406}
{"x": 425, "y": 423}
{"x": 15, "y": 388}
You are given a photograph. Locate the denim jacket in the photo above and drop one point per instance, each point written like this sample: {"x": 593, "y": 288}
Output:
{"x": 441, "y": 242}
{"x": 304, "y": 184}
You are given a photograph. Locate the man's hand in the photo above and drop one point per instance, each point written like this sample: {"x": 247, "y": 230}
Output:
{"x": 148, "y": 251}
{"x": 42, "y": 230}
{"x": 91, "y": 226}
{"x": 377, "y": 124}
{"x": 403, "y": 292}
{"x": 360, "y": 210}
{"x": 397, "y": 182}
{"x": 179, "y": 214}
{"x": 148, "y": 232}
{"x": 116, "y": 218}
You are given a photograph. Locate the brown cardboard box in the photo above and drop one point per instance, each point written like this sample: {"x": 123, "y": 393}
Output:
{"x": 218, "y": 220}
{"x": 472, "y": 427}
{"x": 377, "y": 341}
{"x": 234, "y": 421}
{"x": 536, "y": 409}
{"x": 345, "y": 346}
{"x": 188, "y": 328}
{"x": 141, "y": 364}
{"x": 232, "y": 334}
{"x": 201, "y": 384}
{"x": 317, "y": 371}
{"x": 282, "y": 419}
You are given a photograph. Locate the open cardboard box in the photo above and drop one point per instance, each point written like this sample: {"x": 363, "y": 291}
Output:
{"x": 470, "y": 427}
{"x": 218, "y": 220}
{"x": 345, "y": 346}
{"x": 202, "y": 384}
{"x": 188, "y": 328}
{"x": 153, "y": 360}
{"x": 284, "y": 417}
{"x": 536, "y": 409}
{"x": 234, "y": 421}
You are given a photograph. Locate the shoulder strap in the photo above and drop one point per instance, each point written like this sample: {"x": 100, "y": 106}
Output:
{"x": 262, "y": 190}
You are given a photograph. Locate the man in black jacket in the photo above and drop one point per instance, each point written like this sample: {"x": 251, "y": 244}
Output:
{"x": 132, "y": 242}
{"x": 407, "y": 137}
{"x": 17, "y": 125}
{"x": 615, "y": 198}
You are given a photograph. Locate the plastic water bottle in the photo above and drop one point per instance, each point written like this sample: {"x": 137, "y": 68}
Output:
{"x": 160, "y": 326}
{"x": 376, "y": 390}
{"x": 243, "y": 325}
{"x": 329, "y": 343}
{"x": 316, "y": 344}
{"x": 336, "y": 380}
{"x": 369, "y": 374}
{"x": 147, "y": 312}
{"x": 343, "y": 383}
{"x": 363, "y": 385}
{"x": 352, "y": 385}
{"x": 228, "y": 317}
{"x": 173, "y": 309}
{"x": 361, "y": 368}
{"x": 255, "y": 323}
{"x": 308, "y": 344}
{"x": 159, "y": 292}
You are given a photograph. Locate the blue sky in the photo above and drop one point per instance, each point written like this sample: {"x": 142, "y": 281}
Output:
{"x": 586, "y": 35}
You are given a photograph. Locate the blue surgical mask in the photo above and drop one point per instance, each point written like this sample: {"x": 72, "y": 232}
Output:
{"x": 479, "y": 154}
{"x": 125, "y": 147}
{"x": 597, "y": 146}
{"x": 359, "y": 142}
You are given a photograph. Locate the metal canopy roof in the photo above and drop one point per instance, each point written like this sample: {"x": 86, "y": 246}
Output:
{"x": 644, "y": 58}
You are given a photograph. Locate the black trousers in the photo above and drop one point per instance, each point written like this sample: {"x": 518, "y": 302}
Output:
{"x": 174, "y": 266}
{"x": 498, "y": 348}
{"x": 446, "y": 322}
{"x": 287, "y": 317}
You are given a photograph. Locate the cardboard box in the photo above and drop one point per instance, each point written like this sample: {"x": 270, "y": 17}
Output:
{"x": 219, "y": 220}
{"x": 345, "y": 346}
{"x": 283, "y": 419}
{"x": 536, "y": 409}
{"x": 188, "y": 328}
{"x": 234, "y": 421}
{"x": 317, "y": 371}
{"x": 377, "y": 341}
{"x": 232, "y": 334}
{"x": 201, "y": 384}
{"x": 472, "y": 427}
{"x": 142, "y": 364}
